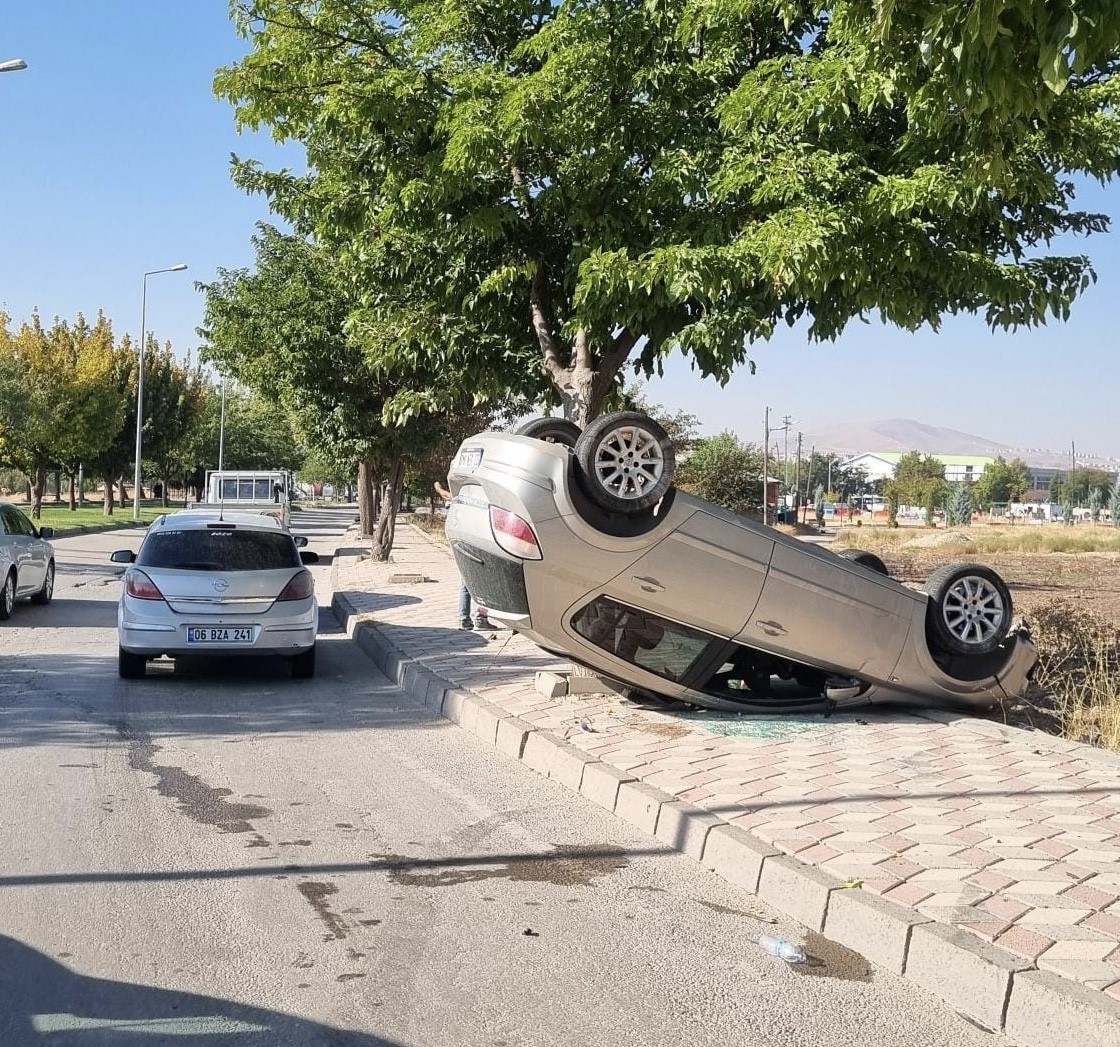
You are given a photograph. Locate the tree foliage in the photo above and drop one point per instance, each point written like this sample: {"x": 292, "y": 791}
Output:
{"x": 958, "y": 507}
{"x": 918, "y": 480}
{"x": 1002, "y": 482}
{"x": 569, "y": 188}
{"x": 724, "y": 470}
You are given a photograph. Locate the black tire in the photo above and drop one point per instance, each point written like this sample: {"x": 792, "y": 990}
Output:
{"x": 43, "y": 596}
{"x": 864, "y": 559}
{"x": 969, "y": 609}
{"x": 303, "y": 665}
{"x": 131, "y": 666}
{"x": 552, "y": 430}
{"x": 625, "y": 462}
{"x": 8, "y": 596}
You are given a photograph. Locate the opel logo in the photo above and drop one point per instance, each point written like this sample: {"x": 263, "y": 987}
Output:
{"x": 220, "y": 585}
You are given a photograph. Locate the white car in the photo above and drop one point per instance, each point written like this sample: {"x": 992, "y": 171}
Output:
{"x": 26, "y": 560}
{"x": 208, "y": 585}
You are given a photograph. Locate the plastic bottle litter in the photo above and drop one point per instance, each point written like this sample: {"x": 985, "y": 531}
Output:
{"x": 784, "y": 950}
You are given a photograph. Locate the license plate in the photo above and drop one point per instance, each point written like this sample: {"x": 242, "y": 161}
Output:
{"x": 470, "y": 458}
{"x": 211, "y": 634}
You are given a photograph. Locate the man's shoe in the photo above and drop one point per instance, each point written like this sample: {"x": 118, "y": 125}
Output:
{"x": 483, "y": 623}
{"x": 466, "y": 623}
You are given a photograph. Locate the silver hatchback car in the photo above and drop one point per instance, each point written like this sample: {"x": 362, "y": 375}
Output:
{"x": 209, "y": 584}
{"x": 580, "y": 541}
{"x": 26, "y": 560}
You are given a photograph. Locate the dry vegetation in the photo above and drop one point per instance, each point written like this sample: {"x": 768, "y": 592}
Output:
{"x": 1065, "y": 582}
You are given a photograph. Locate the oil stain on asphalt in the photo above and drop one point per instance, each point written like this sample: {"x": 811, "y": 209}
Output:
{"x": 565, "y": 866}
{"x": 197, "y": 800}
{"x": 317, "y": 893}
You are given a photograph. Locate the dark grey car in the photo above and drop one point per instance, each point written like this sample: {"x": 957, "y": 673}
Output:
{"x": 586, "y": 547}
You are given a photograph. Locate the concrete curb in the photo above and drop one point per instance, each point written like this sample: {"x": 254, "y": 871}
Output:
{"x": 990, "y": 986}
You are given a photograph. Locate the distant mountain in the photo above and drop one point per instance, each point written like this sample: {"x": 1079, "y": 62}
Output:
{"x": 905, "y": 434}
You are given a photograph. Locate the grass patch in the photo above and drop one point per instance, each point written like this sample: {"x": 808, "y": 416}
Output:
{"x": 66, "y": 522}
{"x": 989, "y": 539}
{"x": 430, "y": 523}
{"x": 1078, "y": 674}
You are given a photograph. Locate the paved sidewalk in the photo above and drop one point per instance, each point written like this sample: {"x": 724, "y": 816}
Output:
{"x": 983, "y": 862}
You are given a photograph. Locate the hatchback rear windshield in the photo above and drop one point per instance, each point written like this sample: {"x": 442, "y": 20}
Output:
{"x": 219, "y": 550}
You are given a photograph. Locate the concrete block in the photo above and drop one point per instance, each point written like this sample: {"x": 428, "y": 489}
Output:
{"x": 537, "y": 753}
{"x": 600, "y": 783}
{"x": 1047, "y": 1010}
{"x": 568, "y": 765}
{"x": 967, "y": 973}
{"x": 512, "y": 735}
{"x": 590, "y": 685}
{"x": 486, "y": 719}
{"x": 551, "y": 685}
{"x": 685, "y": 827}
{"x": 452, "y": 708}
{"x": 878, "y": 929}
{"x": 796, "y": 889}
{"x": 433, "y": 695}
{"x": 468, "y": 711}
{"x": 639, "y": 804}
{"x": 415, "y": 680}
{"x": 735, "y": 855}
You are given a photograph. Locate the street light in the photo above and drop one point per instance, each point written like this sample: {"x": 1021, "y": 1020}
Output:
{"x": 12, "y": 65}
{"x": 140, "y": 381}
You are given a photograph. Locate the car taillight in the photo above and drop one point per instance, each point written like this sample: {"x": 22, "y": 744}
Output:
{"x": 513, "y": 534}
{"x": 299, "y": 587}
{"x": 138, "y": 584}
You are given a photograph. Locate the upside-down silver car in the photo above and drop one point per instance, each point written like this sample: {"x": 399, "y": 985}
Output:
{"x": 217, "y": 584}
{"x": 581, "y": 542}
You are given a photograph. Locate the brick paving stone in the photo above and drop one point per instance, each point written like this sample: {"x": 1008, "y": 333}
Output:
{"x": 1024, "y": 942}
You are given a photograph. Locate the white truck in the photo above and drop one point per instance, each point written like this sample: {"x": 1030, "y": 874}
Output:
{"x": 265, "y": 491}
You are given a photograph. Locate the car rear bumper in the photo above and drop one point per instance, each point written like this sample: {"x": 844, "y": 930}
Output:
{"x": 162, "y": 632}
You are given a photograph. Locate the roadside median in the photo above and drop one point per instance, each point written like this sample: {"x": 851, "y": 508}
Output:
{"x": 981, "y": 862}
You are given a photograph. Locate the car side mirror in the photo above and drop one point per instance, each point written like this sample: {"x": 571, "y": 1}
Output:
{"x": 307, "y": 556}
{"x": 300, "y": 540}
{"x": 123, "y": 556}
{"x": 46, "y": 532}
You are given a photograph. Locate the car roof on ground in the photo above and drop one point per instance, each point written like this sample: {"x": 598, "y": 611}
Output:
{"x": 200, "y": 519}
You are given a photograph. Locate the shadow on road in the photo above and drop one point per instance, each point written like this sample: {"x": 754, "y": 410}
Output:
{"x": 45, "y": 1002}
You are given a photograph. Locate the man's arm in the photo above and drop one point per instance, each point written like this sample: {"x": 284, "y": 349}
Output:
{"x": 442, "y": 491}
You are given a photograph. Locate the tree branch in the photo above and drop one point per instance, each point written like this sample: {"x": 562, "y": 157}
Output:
{"x": 538, "y": 306}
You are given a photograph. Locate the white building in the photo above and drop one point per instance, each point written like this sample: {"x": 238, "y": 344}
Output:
{"x": 880, "y": 465}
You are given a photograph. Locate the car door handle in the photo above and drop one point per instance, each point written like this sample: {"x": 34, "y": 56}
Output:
{"x": 647, "y": 585}
{"x": 772, "y": 628}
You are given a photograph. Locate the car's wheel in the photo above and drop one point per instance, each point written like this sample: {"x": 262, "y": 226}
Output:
{"x": 626, "y": 462}
{"x": 130, "y": 666}
{"x": 43, "y": 596}
{"x": 303, "y": 665}
{"x": 8, "y": 596}
{"x": 552, "y": 430}
{"x": 864, "y": 559}
{"x": 969, "y": 609}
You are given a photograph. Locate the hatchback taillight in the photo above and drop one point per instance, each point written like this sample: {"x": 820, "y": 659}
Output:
{"x": 299, "y": 587}
{"x": 139, "y": 585}
{"x": 513, "y": 534}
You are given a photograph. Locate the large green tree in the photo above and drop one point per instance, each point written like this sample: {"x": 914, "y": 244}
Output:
{"x": 528, "y": 188}
{"x": 724, "y": 470}
{"x": 1001, "y": 482}
{"x": 919, "y": 480}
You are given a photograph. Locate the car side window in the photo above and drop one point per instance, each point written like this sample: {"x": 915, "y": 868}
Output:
{"x": 646, "y": 640}
{"x": 15, "y": 522}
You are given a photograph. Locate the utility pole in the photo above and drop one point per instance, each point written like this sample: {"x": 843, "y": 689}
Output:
{"x": 797, "y": 485}
{"x": 765, "y": 463}
{"x": 809, "y": 476}
{"x": 787, "y": 423}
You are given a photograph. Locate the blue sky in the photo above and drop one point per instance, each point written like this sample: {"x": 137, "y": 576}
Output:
{"x": 116, "y": 161}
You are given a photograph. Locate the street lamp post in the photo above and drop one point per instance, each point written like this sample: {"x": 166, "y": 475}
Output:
{"x": 140, "y": 381}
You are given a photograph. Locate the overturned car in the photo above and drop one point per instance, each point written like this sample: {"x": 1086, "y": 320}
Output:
{"x": 580, "y": 541}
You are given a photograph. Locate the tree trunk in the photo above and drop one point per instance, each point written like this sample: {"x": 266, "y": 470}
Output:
{"x": 57, "y": 486}
{"x": 166, "y": 502}
{"x": 72, "y": 494}
{"x": 387, "y": 518}
{"x": 367, "y": 498}
{"x": 37, "y": 492}
{"x": 81, "y": 486}
{"x": 107, "y": 506}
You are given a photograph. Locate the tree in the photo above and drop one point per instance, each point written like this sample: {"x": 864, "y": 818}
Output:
{"x": 958, "y": 510}
{"x": 1096, "y": 500}
{"x": 1002, "y": 482}
{"x": 724, "y": 470}
{"x": 174, "y": 398}
{"x": 918, "y": 480}
{"x": 60, "y": 405}
{"x": 1114, "y": 503}
{"x": 1077, "y": 487}
{"x": 574, "y": 188}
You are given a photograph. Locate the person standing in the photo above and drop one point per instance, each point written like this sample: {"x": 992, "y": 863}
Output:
{"x": 480, "y": 620}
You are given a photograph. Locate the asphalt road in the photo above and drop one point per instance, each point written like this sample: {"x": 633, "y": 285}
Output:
{"x": 223, "y": 855}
